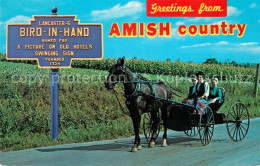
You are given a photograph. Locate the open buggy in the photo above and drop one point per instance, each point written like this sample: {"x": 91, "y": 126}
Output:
{"x": 183, "y": 117}
{"x": 147, "y": 97}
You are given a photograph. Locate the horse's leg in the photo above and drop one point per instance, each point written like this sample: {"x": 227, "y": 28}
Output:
{"x": 136, "y": 118}
{"x": 154, "y": 126}
{"x": 164, "y": 111}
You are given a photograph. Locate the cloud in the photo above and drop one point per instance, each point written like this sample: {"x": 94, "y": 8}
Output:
{"x": 195, "y": 19}
{"x": 17, "y": 19}
{"x": 254, "y": 50}
{"x": 237, "y": 44}
{"x": 248, "y": 44}
{"x": 222, "y": 43}
{"x": 131, "y": 8}
{"x": 232, "y": 11}
{"x": 249, "y": 47}
{"x": 220, "y": 22}
{"x": 238, "y": 48}
{"x": 197, "y": 45}
{"x": 252, "y": 5}
{"x": 178, "y": 23}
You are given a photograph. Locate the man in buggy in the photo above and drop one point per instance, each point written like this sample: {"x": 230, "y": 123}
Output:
{"x": 200, "y": 93}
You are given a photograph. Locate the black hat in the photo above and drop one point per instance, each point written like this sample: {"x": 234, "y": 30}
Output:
{"x": 200, "y": 73}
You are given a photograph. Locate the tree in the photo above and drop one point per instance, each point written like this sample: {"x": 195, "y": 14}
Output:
{"x": 211, "y": 61}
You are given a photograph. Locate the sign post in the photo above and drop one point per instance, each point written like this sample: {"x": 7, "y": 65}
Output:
{"x": 54, "y": 41}
{"x": 54, "y": 103}
{"x": 54, "y": 97}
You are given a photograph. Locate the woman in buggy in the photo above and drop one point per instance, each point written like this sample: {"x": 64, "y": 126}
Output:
{"x": 215, "y": 99}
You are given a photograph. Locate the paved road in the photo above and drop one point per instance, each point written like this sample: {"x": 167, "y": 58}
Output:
{"x": 182, "y": 150}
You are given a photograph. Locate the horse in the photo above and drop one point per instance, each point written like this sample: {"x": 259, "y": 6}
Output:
{"x": 140, "y": 96}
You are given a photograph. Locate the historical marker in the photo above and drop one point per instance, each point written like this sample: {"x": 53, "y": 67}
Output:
{"x": 54, "y": 41}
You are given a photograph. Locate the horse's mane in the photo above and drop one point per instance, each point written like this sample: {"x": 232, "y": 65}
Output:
{"x": 139, "y": 76}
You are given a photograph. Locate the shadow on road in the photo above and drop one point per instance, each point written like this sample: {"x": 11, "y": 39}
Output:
{"x": 124, "y": 145}
{"x": 112, "y": 147}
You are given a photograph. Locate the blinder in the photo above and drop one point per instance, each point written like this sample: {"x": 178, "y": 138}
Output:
{"x": 115, "y": 69}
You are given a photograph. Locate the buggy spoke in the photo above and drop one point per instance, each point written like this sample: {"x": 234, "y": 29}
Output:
{"x": 208, "y": 137}
{"x": 191, "y": 132}
{"x": 239, "y": 109}
{"x": 245, "y": 123}
{"x": 242, "y": 132}
{"x": 239, "y": 134}
{"x": 234, "y": 111}
{"x": 232, "y": 116}
{"x": 231, "y": 124}
{"x": 205, "y": 138}
{"x": 234, "y": 131}
{"x": 241, "y": 113}
{"x": 211, "y": 132}
{"x": 236, "y": 134}
{"x": 209, "y": 119}
{"x": 243, "y": 127}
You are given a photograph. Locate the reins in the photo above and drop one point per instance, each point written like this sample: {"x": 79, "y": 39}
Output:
{"x": 125, "y": 112}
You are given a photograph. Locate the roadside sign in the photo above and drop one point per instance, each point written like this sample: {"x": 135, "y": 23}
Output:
{"x": 54, "y": 41}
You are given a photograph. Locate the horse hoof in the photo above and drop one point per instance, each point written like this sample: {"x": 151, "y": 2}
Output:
{"x": 164, "y": 143}
{"x": 139, "y": 147}
{"x": 134, "y": 149}
{"x": 151, "y": 145}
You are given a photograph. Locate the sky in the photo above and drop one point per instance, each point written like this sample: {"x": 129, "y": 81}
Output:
{"x": 187, "y": 48}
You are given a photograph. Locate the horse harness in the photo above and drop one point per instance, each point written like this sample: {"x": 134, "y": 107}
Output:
{"x": 138, "y": 91}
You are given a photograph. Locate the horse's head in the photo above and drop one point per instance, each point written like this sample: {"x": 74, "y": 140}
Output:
{"x": 116, "y": 74}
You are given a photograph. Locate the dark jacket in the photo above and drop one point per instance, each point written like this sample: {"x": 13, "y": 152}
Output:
{"x": 199, "y": 92}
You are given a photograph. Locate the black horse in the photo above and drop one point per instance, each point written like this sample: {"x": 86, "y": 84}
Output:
{"x": 140, "y": 98}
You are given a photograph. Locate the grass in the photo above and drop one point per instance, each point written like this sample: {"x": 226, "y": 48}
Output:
{"x": 88, "y": 112}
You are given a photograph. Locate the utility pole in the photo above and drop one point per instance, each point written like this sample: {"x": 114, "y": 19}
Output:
{"x": 257, "y": 79}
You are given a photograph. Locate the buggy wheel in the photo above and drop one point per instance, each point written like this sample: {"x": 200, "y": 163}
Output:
{"x": 238, "y": 121}
{"x": 147, "y": 126}
{"x": 206, "y": 126}
{"x": 192, "y": 132}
